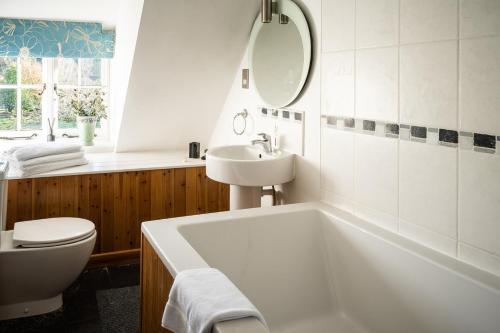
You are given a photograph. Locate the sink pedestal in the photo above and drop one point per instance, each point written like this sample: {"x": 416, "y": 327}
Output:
{"x": 242, "y": 197}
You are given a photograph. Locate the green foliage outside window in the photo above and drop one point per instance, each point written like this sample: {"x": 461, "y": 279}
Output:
{"x": 30, "y": 104}
{"x": 9, "y": 96}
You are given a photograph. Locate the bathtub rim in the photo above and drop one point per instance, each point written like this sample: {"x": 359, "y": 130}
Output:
{"x": 177, "y": 254}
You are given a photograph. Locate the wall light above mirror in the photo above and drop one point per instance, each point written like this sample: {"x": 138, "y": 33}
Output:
{"x": 279, "y": 52}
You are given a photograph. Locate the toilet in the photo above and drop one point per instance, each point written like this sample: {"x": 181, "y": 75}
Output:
{"x": 39, "y": 259}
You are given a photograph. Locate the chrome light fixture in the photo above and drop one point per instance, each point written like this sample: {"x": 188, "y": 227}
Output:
{"x": 270, "y": 7}
{"x": 284, "y": 19}
{"x": 267, "y": 11}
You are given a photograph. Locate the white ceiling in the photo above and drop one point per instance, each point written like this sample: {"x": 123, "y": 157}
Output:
{"x": 102, "y": 11}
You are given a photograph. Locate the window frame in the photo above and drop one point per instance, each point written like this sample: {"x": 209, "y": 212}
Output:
{"x": 50, "y": 99}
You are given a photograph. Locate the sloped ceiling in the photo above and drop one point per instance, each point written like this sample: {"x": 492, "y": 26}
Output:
{"x": 104, "y": 12}
{"x": 186, "y": 57}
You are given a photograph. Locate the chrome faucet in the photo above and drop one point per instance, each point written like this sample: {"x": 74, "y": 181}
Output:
{"x": 265, "y": 142}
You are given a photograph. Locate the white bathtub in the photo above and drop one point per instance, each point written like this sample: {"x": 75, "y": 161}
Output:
{"x": 313, "y": 268}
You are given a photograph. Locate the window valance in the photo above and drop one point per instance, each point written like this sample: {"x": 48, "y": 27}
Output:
{"x": 48, "y": 39}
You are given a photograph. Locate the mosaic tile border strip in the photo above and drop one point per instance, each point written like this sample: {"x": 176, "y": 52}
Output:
{"x": 483, "y": 143}
{"x": 282, "y": 114}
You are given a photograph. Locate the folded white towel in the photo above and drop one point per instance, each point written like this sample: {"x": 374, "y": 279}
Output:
{"x": 23, "y": 153}
{"x": 46, "y": 167}
{"x": 200, "y": 298}
{"x": 44, "y": 159}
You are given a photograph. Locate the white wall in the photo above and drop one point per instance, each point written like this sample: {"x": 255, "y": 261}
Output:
{"x": 104, "y": 12}
{"x": 306, "y": 186}
{"x": 432, "y": 63}
{"x": 128, "y": 18}
{"x": 186, "y": 55}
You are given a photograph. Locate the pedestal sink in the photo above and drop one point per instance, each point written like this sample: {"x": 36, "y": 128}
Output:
{"x": 247, "y": 169}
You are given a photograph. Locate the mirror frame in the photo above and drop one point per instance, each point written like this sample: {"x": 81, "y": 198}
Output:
{"x": 293, "y": 11}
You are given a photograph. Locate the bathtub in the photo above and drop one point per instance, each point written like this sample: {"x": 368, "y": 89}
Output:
{"x": 313, "y": 268}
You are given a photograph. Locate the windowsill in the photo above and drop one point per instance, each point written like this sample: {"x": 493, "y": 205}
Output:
{"x": 100, "y": 146}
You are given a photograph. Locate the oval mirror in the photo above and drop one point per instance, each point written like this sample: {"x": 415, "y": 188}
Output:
{"x": 280, "y": 54}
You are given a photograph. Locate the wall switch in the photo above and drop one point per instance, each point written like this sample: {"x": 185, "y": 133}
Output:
{"x": 245, "y": 78}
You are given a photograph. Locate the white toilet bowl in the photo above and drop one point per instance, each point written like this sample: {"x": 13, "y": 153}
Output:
{"x": 38, "y": 260}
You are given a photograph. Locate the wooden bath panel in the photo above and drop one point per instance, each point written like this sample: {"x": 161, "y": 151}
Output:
{"x": 156, "y": 282}
{"x": 117, "y": 202}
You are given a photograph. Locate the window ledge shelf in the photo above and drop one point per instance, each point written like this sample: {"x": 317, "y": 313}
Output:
{"x": 106, "y": 162}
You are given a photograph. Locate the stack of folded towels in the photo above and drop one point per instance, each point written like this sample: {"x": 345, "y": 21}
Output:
{"x": 39, "y": 158}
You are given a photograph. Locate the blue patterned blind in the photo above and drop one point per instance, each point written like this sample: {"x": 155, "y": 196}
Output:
{"x": 47, "y": 39}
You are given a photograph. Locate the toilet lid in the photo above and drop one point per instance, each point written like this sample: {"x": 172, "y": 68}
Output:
{"x": 51, "y": 232}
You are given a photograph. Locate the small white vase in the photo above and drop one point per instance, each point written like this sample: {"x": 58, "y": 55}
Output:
{"x": 86, "y": 129}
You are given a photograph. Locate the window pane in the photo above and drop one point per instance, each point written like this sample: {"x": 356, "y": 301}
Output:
{"x": 91, "y": 72}
{"x": 31, "y": 109}
{"x": 68, "y": 71}
{"x": 65, "y": 117}
{"x": 31, "y": 70}
{"x": 8, "y": 109}
{"x": 8, "y": 70}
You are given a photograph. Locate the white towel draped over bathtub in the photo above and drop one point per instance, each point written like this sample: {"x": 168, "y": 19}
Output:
{"x": 200, "y": 298}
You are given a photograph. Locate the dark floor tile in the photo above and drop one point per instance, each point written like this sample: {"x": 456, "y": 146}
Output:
{"x": 94, "y": 303}
{"x": 119, "y": 309}
{"x": 80, "y": 307}
{"x": 94, "y": 279}
{"x": 124, "y": 275}
{"x": 50, "y": 322}
{"x": 87, "y": 327}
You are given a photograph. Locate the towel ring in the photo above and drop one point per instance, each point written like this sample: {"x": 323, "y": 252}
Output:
{"x": 243, "y": 114}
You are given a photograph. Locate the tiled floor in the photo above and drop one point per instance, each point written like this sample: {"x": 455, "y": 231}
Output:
{"x": 101, "y": 300}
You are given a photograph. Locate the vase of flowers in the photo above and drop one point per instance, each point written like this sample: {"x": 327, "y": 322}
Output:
{"x": 88, "y": 107}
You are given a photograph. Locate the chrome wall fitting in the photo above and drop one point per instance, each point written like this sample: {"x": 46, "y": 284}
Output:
{"x": 243, "y": 114}
{"x": 267, "y": 11}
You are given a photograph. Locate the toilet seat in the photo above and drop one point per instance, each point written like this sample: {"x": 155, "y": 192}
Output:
{"x": 51, "y": 232}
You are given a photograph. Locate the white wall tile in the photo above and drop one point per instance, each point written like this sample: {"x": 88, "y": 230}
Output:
{"x": 405, "y": 186}
{"x": 377, "y": 23}
{"x": 480, "y": 85}
{"x": 479, "y": 200}
{"x": 479, "y": 18}
{"x": 337, "y": 161}
{"x": 429, "y": 238}
{"x": 377, "y": 84}
{"x": 336, "y": 200}
{"x": 338, "y": 25}
{"x": 337, "y": 84}
{"x": 428, "y": 186}
{"x": 479, "y": 258}
{"x": 376, "y": 216}
{"x": 428, "y": 20}
{"x": 428, "y": 84}
{"x": 376, "y": 177}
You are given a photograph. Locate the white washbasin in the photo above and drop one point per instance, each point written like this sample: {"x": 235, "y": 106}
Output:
{"x": 246, "y": 165}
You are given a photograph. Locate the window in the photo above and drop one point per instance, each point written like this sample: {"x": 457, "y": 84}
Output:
{"x": 21, "y": 85}
{"x": 32, "y": 90}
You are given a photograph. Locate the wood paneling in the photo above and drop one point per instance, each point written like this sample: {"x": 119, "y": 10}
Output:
{"x": 162, "y": 184}
{"x": 180, "y": 192}
{"x": 117, "y": 202}
{"x": 115, "y": 258}
{"x": 156, "y": 282}
{"x": 191, "y": 195}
